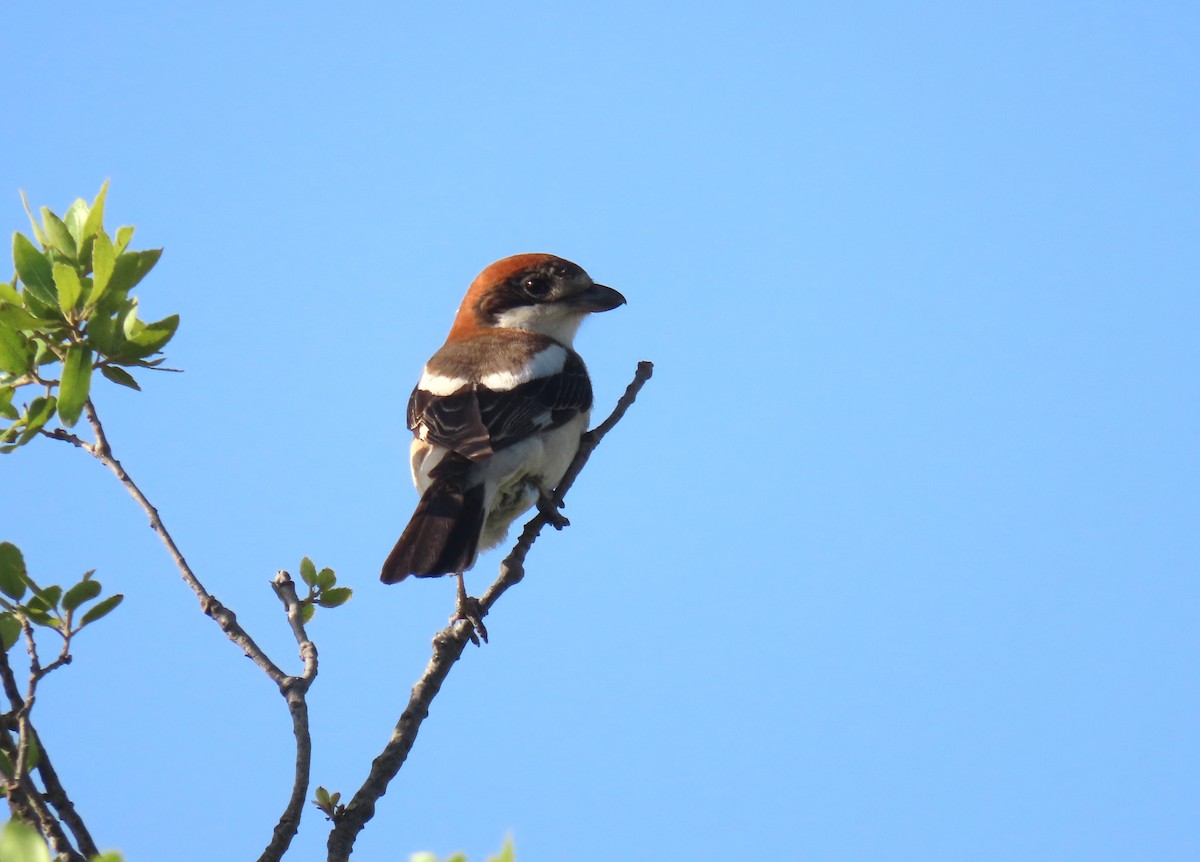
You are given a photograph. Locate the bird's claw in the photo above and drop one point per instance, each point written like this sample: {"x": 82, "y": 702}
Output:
{"x": 549, "y": 508}
{"x": 470, "y": 610}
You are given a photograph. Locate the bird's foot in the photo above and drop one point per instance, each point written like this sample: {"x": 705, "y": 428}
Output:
{"x": 549, "y": 507}
{"x": 470, "y": 610}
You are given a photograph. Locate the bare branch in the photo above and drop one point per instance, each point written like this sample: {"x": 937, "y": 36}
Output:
{"x": 220, "y": 614}
{"x": 24, "y": 798}
{"x": 56, "y": 795}
{"x": 292, "y": 688}
{"x": 67, "y": 437}
{"x": 449, "y": 643}
{"x": 285, "y": 588}
{"x": 294, "y": 691}
{"x": 512, "y": 570}
{"x": 27, "y": 804}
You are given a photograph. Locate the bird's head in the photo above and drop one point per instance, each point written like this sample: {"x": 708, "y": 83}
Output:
{"x": 534, "y": 292}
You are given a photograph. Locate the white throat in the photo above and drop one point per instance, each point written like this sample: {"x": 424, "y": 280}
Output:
{"x": 557, "y": 321}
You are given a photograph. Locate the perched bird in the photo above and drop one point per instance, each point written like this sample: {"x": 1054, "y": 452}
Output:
{"x": 497, "y": 414}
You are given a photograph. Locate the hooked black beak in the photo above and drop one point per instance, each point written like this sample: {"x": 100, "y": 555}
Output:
{"x": 598, "y": 298}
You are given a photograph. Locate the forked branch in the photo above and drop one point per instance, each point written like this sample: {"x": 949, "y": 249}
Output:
{"x": 448, "y": 645}
{"x": 293, "y": 688}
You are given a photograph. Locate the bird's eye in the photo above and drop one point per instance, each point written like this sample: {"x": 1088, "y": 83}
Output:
{"x": 537, "y": 286}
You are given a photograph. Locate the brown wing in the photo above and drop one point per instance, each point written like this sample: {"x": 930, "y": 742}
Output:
{"x": 476, "y": 421}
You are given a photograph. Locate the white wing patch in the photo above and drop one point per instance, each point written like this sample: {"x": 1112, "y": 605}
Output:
{"x": 437, "y": 384}
{"x": 544, "y": 363}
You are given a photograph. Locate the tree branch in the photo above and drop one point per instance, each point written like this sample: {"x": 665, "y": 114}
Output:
{"x": 56, "y": 795}
{"x": 294, "y": 692}
{"x": 24, "y": 799}
{"x": 293, "y": 689}
{"x": 221, "y": 615}
{"x": 448, "y": 645}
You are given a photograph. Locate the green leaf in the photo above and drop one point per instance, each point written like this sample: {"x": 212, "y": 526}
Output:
{"x": 322, "y": 797}
{"x": 84, "y": 591}
{"x": 41, "y": 411}
{"x": 58, "y": 233}
{"x": 326, "y": 579}
{"x": 104, "y": 257}
{"x": 110, "y": 856}
{"x": 12, "y": 571}
{"x": 10, "y": 631}
{"x": 66, "y": 279}
{"x": 336, "y": 596}
{"x": 16, "y": 353}
{"x": 46, "y": 599}
{"x": 20, "y": 842}
{"x": 9, "y": 293}
{"x": 47, "y": 313}
{"x": 307, "y": 609}
{"x": 124, "y": 235}
{"x": 34, "y": 754}
{"x": 104, "y": 334}
{"x": 16, "y": 316}
{"x": 506, "y": 853}
{"x": 308, "y": 572}
{"x": 34, "y": 270}
{"x": 38, "y": 615}
{"x": 75, "y": 218}
{"x": 120, "y": 375}
{"x": 423, "y": 856}
{"x": 37, "y": 230}
{"x": 149, "y": 338}
{"x": 76, "y": 381}
{"x": 101, "y": 609}
{"x": 7, "y": 411}
{"x": 44, "y": 355}
{"x": 127, "y": 318}
{"x": 95, "y": 216}
{"x": 131, "y": 267}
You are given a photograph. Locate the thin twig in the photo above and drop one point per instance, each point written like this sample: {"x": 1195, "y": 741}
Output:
{"x": 449, "y": 643}
{"x": 56, "y": 795}
{"x": 293, "y": 689}
{"x": 220, "y": 614}
{"x": 24, "y": 799}
{"x": 36, "y": 674}
{"x": 27, "y": 804}
{"x": 512, "y": 570}
{"x": 294, "y": 692}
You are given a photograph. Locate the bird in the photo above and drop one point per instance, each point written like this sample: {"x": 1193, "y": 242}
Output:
{"x": 497, "y": 416}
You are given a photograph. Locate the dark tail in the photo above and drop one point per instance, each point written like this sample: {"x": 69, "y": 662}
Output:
{"x": 444, "y": 531}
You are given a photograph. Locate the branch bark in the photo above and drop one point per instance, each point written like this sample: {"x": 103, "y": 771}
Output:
{"x": 449, "y": 643}
{"x": 293, "y": 688}
{"x": 220, "y": 614}
{"x": 24, "y": 798}
{"x": 294, "y": 692}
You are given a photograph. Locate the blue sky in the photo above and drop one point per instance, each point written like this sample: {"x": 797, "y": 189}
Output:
{"x": 895, "y": 558}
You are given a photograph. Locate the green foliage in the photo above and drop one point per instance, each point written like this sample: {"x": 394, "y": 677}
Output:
{"x": 505, "y": 855}
{"x": 70, "y": 305}
{"x": 329, "y": 803}
{"x": 322, "y": 590}
{"x": 20, "y": 842}
{"x": 25, "y": 602}
{"x": 12, "y": 571}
